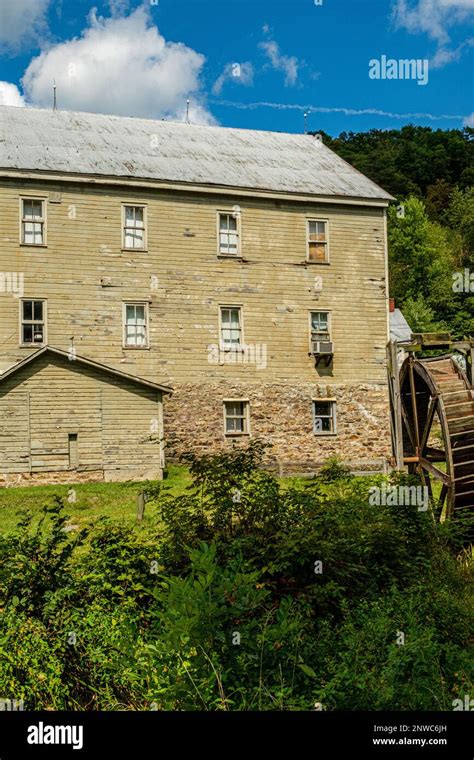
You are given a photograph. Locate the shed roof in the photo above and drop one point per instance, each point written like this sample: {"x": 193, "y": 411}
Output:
{"x": 64, "y": 142}
{"x": 87, "y": 362}
{"x": 399, "y": 328}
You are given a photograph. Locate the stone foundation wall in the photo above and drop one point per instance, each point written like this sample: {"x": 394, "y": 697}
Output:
{"x": 12, "y": 480}
{"x": 282, "y": 416}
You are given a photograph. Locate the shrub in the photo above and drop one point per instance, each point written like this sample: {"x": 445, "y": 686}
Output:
{"x": 246, "y": 593}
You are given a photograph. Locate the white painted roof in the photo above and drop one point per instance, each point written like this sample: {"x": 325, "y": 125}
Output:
{"x": 116, "y": 146}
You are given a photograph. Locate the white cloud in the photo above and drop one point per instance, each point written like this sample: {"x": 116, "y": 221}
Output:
{"x": 10, "y": 95}
{"x": 469, "y": 121}
{"x": 445, "y": 55}
{"x": 433, "y": 17}
{"x": 287, "y": 64}
{"x": 22, "y": 22}
{"x": 239, "y": 73}
{"x": 120, "y": 65}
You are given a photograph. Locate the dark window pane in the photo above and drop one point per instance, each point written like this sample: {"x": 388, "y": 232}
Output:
{"x": 322, "y": 408}
{"x": 27, "y": 334}
{"x": 38, "y": 310}
{"x": 27, "y": 310}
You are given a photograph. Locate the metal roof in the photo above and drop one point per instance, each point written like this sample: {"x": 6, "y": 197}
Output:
{"x": 64, "y": 142}
{"x": 399, "y": 328}
{"x": 87, "y": 362}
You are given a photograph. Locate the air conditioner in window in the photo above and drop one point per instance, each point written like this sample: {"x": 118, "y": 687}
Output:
{"x": 322, "y": 347}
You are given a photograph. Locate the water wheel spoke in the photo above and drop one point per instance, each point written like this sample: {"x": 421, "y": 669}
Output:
{"x": 414, "y": 406}
{"x": 434, "y": 471}
{"x": 408, "y": 425}
{"x": 433, "y": 406}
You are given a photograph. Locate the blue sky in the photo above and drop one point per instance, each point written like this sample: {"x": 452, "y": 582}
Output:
{"x": 243, "y": 63}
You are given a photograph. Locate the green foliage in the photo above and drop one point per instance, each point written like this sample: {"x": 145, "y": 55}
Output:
{"x": 333, "y": 469}
{"x": 245, "y": 593}
{"x": 423, "y": 257}
{"x": 432, "y": 174}
{"x": 410, "y": 160}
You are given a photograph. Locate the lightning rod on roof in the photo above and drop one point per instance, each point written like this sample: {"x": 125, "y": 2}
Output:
{"x": 306, "y": 123}
{"x": 187, "y": 112}
{"x": 55, "y": 104}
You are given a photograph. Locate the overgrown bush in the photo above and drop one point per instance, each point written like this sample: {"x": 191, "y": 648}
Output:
{"x": 246, "y": 593}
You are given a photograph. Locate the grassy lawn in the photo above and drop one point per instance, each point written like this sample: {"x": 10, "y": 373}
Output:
{"x": 93, "y": 500}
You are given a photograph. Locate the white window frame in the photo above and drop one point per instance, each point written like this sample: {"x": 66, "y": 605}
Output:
{"x": 229, "y": 346}
{"x": 326, "y": 223}
{"x": 329, "y": 333}
{"x": 42, "y": 221}
{"x": 245, "y": 416}
{"x": 128, "y": 346}
{"x": 237, "y": 216}
{"x": 44, "y": 322}
{"x": 144, "y": 208}
{"x": 332, "y": 415}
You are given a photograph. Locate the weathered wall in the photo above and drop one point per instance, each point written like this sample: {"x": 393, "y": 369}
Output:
{"x": 282, "y": 416}
{"x": 86, "y": 276}
{"x": 113, "y": 419}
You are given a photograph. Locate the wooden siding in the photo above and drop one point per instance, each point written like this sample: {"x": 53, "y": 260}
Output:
{"x": 52, "y": 398}
{"x": 184, "y": 282}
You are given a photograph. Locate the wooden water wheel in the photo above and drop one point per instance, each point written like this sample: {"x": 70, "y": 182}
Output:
{"x": 437, "y": 406}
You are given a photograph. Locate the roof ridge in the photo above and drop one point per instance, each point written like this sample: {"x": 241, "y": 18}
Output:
{"x": 82, "y": 360}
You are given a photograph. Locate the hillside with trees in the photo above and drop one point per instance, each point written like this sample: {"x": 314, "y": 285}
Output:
{"x": 431, "y": 173}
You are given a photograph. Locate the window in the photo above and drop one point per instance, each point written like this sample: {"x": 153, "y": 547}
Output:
{"x": 318, "y": 251}
{"x": 324, "y": 417}
{"x": 231, "y": 327}
{"x": 236, "y": 417}
{"x": 33, "y": 323}
{"x": 134, "y": 227}
{"x": 320, "y": 329}
{"x": 135, "y": 325}
{"x": 32, "y": 221}
{"x": 228, "y": 235}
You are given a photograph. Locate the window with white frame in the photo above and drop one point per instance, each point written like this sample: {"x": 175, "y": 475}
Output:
{"x": 33, "y": 221}
{"x": 320, "y": 327}
{"x": 229, "y": 234}
{"x": 135, "y": 326}
{"x": 33, "y": 323}
{"x": 134, "y": 232}
{"x": 318, "y": 249}
{"x": 324, "y": 416}
{"x": 231, "y": 327}
{"x": 236, "y": 417}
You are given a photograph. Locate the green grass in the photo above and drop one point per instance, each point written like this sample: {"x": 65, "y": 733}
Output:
{"x": 93, "y": 500}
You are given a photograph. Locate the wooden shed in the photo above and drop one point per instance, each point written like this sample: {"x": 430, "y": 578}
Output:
{"x": 64, "y": 414}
